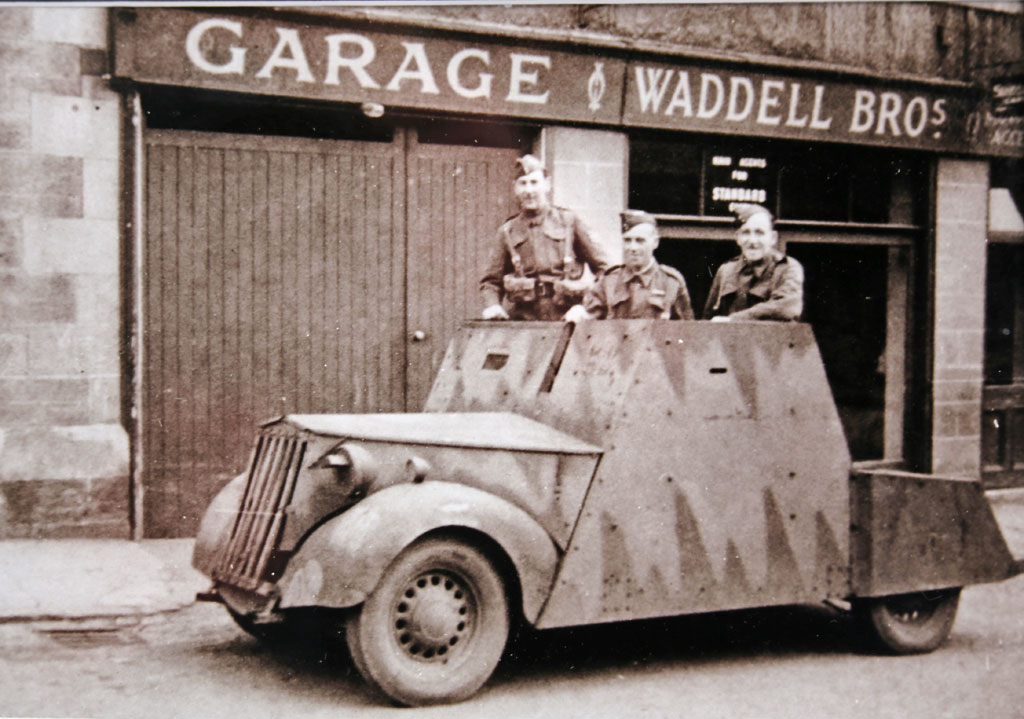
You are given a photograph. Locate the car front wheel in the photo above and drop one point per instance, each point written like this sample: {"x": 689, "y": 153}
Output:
{"x": 907, "y": 623}
{"x": 435, "y": 626}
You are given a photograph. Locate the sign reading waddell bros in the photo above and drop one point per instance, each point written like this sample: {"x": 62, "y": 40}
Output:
{"x": 289, "y": 57}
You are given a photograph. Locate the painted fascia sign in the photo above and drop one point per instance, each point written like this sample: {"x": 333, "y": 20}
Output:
{"x": 277, "y": 57}
{"x": 340, "y": 60}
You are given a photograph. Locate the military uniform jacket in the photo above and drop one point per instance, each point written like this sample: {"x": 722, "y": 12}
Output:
{"x": 770, "y": 290}
{"x": 657, "y": 292}
{"x": 542, "y": 244}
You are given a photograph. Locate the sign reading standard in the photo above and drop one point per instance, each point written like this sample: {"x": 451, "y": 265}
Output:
{"x": 253, "y": 53}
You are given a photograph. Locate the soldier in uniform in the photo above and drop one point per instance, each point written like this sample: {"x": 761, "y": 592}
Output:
{"x": 537, "y": 263}
{"x": 761, "y": 283}
{"x": 639, "y": 288}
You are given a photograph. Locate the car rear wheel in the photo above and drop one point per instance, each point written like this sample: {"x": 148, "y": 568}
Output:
{"x": 435, "y": 626}
{"x": 907, "y": 623}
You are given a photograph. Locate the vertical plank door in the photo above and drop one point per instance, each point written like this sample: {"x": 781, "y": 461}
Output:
{"x": 458, "y": 195}
{"x": 273, "y": 281}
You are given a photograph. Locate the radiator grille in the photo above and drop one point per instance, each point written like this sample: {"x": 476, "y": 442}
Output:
{"x": 273, "y": 469}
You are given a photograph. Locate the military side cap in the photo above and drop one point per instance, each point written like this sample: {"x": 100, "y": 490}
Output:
{"x": 632, "y": 218}
{"x": 528, "y": 164}
{"x": 745, "y": 210}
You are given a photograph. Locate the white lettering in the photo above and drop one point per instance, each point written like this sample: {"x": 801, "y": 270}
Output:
{"x": 652, "y": 93}
{"x": 863, "y": 111}
{"x": 517, "y": 78}
{"x": 336, "y": 61}
{"x": 414, "y": 53}
{"x": 888, "y": 109}
{"x": 817, "y": 123}
{"x": 740, "y": 175}
{"x": 455, "y": 64}
{"x": 735, "y": 85}
{"x": 939, "y": 108}
{"x": 753, "y": 162}
{"x": 919, "y": 106}
{"x": 194, "y": 40}
{"x": 707, "y": 81}
{"x": 1007, "y": 136}
{"x": 287, "y": 39}
{"x": 681, "y": 96}
{"x": 738, "y": 194}
{"x": 769, "y": 98}
{"x": 794, "y": 99}
{"x": 721, "y": 160}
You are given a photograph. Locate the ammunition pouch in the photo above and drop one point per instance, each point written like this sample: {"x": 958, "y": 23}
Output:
{"x": 524, "y": 290}
{"x": 520, "y": 289}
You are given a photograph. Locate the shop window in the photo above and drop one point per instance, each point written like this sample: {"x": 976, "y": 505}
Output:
{"x": 1008, "y": 173}
{"x": 1004, "y": 291}
{"x": 1002, "y": 417}
{"x": 665, "y": 178}
{"x": 1004, "y": 301}
{"x": 182, "y": 109}
{"x": 814, "y": 186}
{"x": 670, "y": 176}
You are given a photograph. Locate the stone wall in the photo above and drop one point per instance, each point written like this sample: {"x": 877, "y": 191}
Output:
{"x": 944, "y": 40}
{"x": 961, "y": 224}
{"x": 589, "y": 173}
{"x": 64, "y": 457}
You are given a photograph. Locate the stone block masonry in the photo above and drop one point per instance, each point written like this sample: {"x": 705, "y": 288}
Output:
{"x": 64, "y": 456}
{"x": 589, "y": 171}
{"x": 960, "y": 246}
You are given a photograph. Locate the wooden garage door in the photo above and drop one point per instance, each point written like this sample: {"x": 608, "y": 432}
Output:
{"x": 273, "y": 281}
{"x": 288, "y": 275}
{"x": 458, "y": 195}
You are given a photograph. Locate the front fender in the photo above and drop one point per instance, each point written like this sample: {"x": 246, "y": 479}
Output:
{"x": 215, "y": 526}
{"x": 342, "y": 561}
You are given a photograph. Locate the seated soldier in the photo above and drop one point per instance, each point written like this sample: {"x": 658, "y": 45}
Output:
{"x": 639, "y": 288}
{"x": 761, "y": 283}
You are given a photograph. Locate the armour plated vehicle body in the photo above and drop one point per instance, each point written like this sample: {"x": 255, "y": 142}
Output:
{"x": 563, "y": 476}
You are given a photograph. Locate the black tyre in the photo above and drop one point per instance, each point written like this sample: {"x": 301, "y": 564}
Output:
{"x": 434, "y": 628}
{"x": 907, "y": 623}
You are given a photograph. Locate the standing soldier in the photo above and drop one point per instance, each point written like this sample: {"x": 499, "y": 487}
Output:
{"x": 760, "y": 284}
{"x": 536, "y": 264}
{"x": 640, "y": 288}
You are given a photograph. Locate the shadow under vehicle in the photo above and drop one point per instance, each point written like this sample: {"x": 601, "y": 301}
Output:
{"x": 563, "y": 476}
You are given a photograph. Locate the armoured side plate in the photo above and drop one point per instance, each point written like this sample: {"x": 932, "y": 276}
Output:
{"x": 915, "y": 531}
{"x": 724, "y": 482}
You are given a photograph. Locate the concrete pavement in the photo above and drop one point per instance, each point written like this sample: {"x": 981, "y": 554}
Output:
{"x": 84, "y": 578}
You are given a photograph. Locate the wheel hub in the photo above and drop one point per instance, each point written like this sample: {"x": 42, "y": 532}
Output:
{"x": 433, "y": 615}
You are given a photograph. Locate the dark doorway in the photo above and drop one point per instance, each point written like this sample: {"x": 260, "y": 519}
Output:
{"x": 845, "y": 303}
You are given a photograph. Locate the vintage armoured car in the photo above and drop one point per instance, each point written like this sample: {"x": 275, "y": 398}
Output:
{"x": 564, "y": 475}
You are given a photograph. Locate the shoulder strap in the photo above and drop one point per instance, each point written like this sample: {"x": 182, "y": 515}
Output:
{"x": 673, "y": 273}
{"x": 565, "y": 243}
{"x": 510, "y": 247}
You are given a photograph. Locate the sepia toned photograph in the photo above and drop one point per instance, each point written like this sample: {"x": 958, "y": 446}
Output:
{"x": 527, "y": 360}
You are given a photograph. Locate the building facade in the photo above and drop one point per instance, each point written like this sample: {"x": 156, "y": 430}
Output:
{"x": 213, "y": 216}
